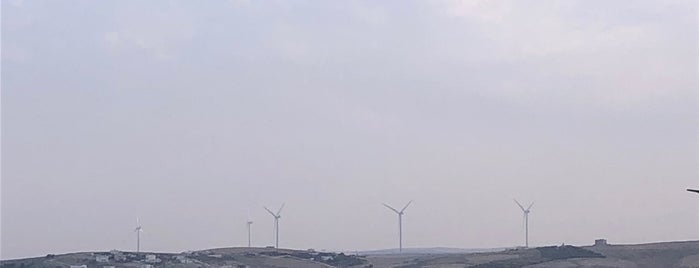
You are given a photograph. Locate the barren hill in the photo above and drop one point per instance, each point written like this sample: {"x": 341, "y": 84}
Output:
{"x": 661, "y": 255}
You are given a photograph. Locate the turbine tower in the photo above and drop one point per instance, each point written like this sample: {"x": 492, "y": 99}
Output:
{"x": 249, "y": 223}
{"x": 138, "y": 231}
{"x": 400, "y": 223}
{"x": 526, "y": 222}
{"x": 692, "y": 190}
{"x": 276, "y": 223}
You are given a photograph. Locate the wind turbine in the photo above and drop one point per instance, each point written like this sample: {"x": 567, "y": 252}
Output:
{"x": 276, "y": 223}
{"x": 138, "y": 231}
{"x": 249, "y": 223}
{"x": 526, "y": 222}
{"x": 400, "y": 223}
{"x": 692, "y": 190}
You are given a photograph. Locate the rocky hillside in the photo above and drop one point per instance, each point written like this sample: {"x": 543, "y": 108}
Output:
{"x": 225, "y": 257}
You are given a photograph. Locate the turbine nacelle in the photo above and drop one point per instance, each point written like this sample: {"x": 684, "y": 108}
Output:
{"x": 138, "y": 228}
{"x": 401, "y": 212}
{"x": 275, "y": 215}
{"x": 525, "y": 210}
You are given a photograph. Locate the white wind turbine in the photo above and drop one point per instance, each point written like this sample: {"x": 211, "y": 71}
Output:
{"x": 138, "y": 231}
{"x": 276, "y": 223}
{"x": 526, "y": 221}
{"x": 249, "y": 223}
{"x": 400, "y": 223}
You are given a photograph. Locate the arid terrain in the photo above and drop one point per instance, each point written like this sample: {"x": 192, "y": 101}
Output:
{"x": 661, "y": 255}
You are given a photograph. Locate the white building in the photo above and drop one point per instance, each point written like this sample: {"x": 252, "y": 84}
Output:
{"x": 102, "y": 258}
{"x": 601, "y": 242}
{"x": 183, "y": 259}
{"x": 152, "y": 258}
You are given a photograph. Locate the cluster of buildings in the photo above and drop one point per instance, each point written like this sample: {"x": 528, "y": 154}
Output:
{"x": 147, "y": 260}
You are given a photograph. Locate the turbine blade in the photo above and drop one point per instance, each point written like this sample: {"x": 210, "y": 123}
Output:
{"x": 406, "y": 206}
{"x": 270, "y": 212}
{"x": 692, "y": 190}
{"x": 530, "y": 206}
{"x": 280, "y": 209}
{"x": 391, "y": 208}
{"x": 520, "y": 205}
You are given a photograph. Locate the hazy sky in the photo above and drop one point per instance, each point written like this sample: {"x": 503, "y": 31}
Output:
{"x": 192, "y": 115}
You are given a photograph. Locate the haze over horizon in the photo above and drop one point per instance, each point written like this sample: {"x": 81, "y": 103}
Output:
{"x": 193, "y": 116}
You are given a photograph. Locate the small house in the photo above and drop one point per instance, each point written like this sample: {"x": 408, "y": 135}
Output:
{"x": 152, "y": 258}
{"x": 118, "y": 256}
{"x": 102, "y": 258}
{"x": 183, "y": 259}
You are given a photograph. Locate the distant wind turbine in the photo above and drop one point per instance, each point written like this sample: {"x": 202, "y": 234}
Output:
{"x": 138, "y": 231}
{"x": 276, "y": 223}
{"x": 249, "y": 223}
{"x": 400, "y": 223}
{"x": 692, "y": 190}
{"x": 526, "y": 222}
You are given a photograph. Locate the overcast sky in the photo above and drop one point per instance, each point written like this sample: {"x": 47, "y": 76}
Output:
{"x": 193, "y": 115}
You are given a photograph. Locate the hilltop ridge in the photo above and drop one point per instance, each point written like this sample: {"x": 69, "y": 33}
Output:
{"x": 683, "y": 254}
